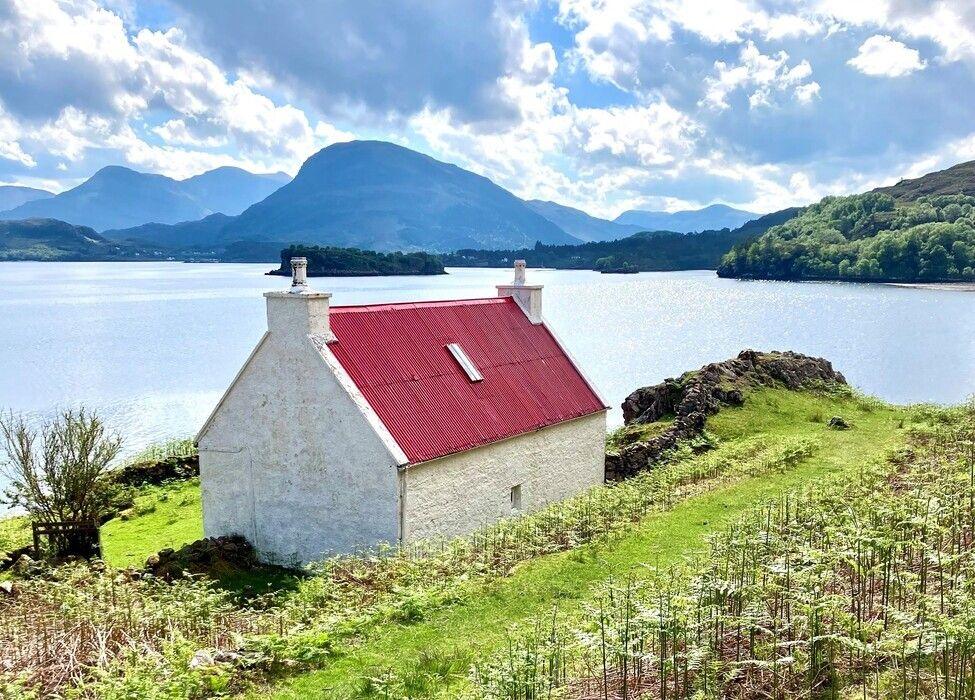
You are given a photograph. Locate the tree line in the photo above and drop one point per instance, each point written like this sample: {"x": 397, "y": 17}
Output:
{"x": 351, "y": 262}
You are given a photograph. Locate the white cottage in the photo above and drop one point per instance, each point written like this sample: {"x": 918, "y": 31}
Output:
{"x": 354, "y": 425}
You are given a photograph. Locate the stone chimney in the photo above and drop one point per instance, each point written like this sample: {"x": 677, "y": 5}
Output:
{"x": 528, "y": 296}
{"x": 301, "y": 310}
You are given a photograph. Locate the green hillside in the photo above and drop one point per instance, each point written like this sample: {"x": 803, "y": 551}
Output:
{"x": 425, "y": 622}
{"x": 958, "y": 179}
{"x": 870, "y": 238}
{"x": 49, "y": 239}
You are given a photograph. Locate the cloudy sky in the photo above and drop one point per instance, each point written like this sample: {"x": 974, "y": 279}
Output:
{"x": 602, "y": 104}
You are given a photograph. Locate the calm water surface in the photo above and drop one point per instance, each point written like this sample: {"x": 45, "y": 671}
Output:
{"x": 152, "y": 346}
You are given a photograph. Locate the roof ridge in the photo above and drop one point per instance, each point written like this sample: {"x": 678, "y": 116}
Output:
{"x": 423, "y": 303}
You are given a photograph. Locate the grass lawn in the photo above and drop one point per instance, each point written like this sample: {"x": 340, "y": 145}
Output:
{"x": 437, "y": 651}
{"x": 163, "y": 516}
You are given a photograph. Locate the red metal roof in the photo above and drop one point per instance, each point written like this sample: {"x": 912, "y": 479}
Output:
{"x": 398, "y": 358}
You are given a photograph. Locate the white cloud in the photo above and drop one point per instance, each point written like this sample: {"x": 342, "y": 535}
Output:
{"x": 593, "y": 158}
{"x": 611, "y": 36}
{"x": 10, "y": 148}
{"x": 760, "y": 74}
{"x": 81, "y": 82}
{"x": 807, "y": 92}
{"x": 176, "y": 132}
{"x": 883, "y": 55}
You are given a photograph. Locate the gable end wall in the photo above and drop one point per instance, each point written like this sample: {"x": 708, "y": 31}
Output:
{"x": 289, "y": 461}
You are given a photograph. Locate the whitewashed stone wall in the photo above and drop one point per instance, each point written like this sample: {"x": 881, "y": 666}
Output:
{"x": 291, "y": 463}
{"x": 463, "y": 492}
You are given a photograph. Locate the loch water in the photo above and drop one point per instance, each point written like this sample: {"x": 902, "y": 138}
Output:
{"x": 151, "y": 346}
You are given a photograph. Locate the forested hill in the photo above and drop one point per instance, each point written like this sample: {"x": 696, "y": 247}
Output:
{"x": 653, "y": 251}
{"x": 868, "y": 237}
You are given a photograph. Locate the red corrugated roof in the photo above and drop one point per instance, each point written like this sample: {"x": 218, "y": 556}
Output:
{"x": 398, "y": 358}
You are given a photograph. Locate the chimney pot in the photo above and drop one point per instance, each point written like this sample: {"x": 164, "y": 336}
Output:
{"x": 299, "y": 274}
{"x": 519, "y": 272}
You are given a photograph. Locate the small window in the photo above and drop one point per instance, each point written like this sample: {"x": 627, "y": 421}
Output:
{"x": 465, "y": 362}
{"x": 516, "y": 498}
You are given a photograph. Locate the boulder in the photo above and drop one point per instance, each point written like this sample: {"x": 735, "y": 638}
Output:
{"x": 26, "y": 567}
{"x": 225, "y": 656}
{"x": 201, "y": 659}
{"x": 837, "y": 423}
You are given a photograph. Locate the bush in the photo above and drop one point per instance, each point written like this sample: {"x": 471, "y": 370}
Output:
{"x": 55, "y": 470}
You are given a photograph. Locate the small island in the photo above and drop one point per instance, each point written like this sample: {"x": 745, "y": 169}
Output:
{"x": 352, "y": 262}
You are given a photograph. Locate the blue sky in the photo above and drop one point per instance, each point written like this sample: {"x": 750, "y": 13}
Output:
{"x": 603, "y": 105}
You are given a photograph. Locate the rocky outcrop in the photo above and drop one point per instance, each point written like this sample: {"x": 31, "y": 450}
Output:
{"x": 157, "y": 472}
{"x": 694, "y": 396}
{"x": 9, "y": 559}
{"x": 214, "y": 556}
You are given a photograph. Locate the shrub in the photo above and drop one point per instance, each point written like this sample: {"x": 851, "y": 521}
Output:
{"x": 55, "y": 470}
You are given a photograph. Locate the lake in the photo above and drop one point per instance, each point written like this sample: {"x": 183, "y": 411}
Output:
{"x": 152, "y": 346}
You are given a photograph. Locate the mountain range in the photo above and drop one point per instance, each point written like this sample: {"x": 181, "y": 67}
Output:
{"x": 711, "y": 218}
{"x": 372, "y": 195}
{"x": 116, "y": 197}
{"x": 580, "y": 224}
{"x": 367, "y": 194}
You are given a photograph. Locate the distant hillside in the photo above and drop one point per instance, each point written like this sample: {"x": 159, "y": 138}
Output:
{"x": 186, "y": 234}
{"x": 13, "y": 195}
{"x": 117, "y": 197}
{"x": 231, "y": 190}
{"x": 866, "y": 238}
{"x": 580, "y": 224}
{"x": 47, "y": 239}
{"x": 958, "y": 179}
{"x": 712, "y": 218}
{"x": 648, "y": 251}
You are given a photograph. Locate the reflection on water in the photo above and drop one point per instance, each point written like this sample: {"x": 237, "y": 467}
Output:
{"x": 152, "y": 346}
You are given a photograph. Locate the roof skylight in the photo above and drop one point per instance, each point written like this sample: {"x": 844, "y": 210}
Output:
{"x": 465, "y": 362}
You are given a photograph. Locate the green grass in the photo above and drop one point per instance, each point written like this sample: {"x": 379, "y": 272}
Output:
{"x": 478, "y": 625}
{"x": 431, "y": 654}
{"x": 164, "y": 516}
{"x": 14, "y": 533}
